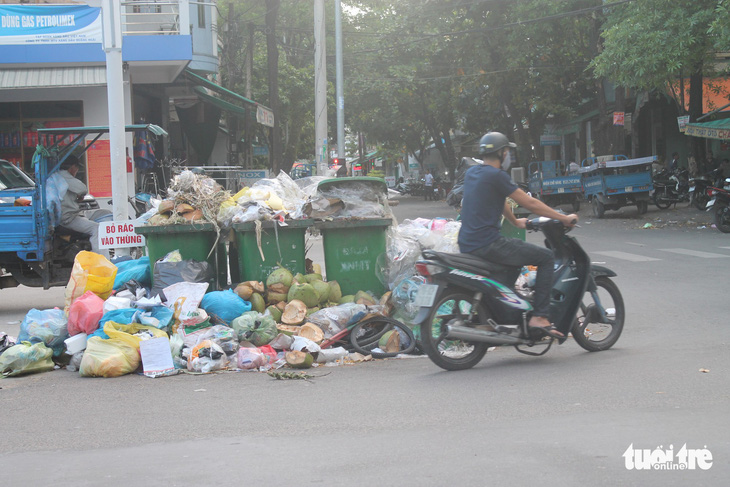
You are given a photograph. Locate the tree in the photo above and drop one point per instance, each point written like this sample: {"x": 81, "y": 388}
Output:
{"x": 655, "y": 45}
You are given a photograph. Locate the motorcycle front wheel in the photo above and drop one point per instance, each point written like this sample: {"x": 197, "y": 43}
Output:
{"x": 589, "y": 330}
{"x": 661, "y": 200}
{"x": 722, "y": 219}
{"x": 700, "y": 199}
{"x": 451, "y": 354}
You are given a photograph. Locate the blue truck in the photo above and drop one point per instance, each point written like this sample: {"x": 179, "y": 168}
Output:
{"x": 550, "y": 182}
{"x": 612, "y": 182}
{"x": 35, "y": 250}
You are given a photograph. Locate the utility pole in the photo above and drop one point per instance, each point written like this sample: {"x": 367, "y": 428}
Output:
{"x": 320, "y": 89}
{"x": 112, "y": 44}
{"x": 272, "y": 53}
{"x": 233, "y": 40}
{"x": 340, "y": 81}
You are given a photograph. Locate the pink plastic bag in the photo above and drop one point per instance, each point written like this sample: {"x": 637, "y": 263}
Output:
{"x": 85, "y": 313}
{"x": 251, "y": 358}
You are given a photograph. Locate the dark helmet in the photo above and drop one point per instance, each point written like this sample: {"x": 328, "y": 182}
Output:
{"x": 492, "y": 142}
{"x": 70, "y": 161}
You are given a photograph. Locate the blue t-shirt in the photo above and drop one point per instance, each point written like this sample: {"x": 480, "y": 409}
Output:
{"x": 485, "y": 190}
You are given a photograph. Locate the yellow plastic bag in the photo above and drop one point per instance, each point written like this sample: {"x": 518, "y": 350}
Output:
{"x": 91, "y": 272}
{"x": 108, "y": 358}
{"x": 126, "y": 333}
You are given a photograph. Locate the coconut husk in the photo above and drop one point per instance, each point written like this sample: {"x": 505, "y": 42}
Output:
{"x": 311, "y": 331}
{"x": 299, "y": 360}
{"x": 183, "y": 208}
{"x": 244, "y": 290}
{"x": 166, "y": 206}
{"x": 290, "y": 330}
{"x": 294, "y": 313}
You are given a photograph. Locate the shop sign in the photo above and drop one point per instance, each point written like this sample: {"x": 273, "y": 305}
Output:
{"x": 682, "y": 122}
{"x": 116, "y": 235}
{"x": 248, "y": 178}
{"x": 264, "y": 116}
{"x": 49, "y": 24}
{"x": 554, "y": 140}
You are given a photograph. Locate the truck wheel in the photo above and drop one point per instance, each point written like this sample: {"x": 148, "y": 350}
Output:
{"x": 598, "y": 208}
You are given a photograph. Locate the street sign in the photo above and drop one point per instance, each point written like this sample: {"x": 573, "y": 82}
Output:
{"x": 248, "y": 177}
{"x": 260, "y": 150}
{"x": 119, "y": 235}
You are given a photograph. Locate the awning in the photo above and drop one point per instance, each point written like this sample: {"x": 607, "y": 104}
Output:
{"x": 206, "y": 91}
{"x": 717, "y": 129}
{"x": 574, "y": 125}
{"x": 52, "y": 77}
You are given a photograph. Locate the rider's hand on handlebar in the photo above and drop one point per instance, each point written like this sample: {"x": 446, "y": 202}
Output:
{"x": 521, "y": 223}
{"x": 569, "y": 220}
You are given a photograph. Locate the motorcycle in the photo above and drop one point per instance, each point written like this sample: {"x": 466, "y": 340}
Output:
{"x": 698, "y": 187}
{"x": 719, "y": 204}
{"x": 471, "y": 304}
{"x": 671, "y": 188}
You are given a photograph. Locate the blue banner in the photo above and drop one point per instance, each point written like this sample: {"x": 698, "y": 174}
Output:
{"x": 49, "y": 24}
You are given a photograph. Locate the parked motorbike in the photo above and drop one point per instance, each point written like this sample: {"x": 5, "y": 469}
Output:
{"x": 719, "y": 205}
{"x": 471, "y": 304}
{"x": 698, "y": 187}
{"x": 671, "y": 188}
{"x": 403, "y": 188}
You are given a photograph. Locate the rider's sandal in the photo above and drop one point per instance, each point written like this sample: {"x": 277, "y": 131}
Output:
{"x": 551, "y": 331}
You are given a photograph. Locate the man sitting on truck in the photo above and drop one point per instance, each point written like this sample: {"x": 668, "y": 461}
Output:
{"x": 71, "y": 217}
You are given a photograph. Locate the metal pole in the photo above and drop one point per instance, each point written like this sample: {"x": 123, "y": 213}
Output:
{"x": 320, "y": 89}
{"x": 112, "y": 23}
{"x": 340, "y": 81}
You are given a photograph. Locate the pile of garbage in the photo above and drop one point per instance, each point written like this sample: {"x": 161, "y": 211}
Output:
{"x": 115, "y": 323}
{"x": 196, "y": 198}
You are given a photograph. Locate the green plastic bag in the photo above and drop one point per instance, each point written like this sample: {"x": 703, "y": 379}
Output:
{"x": 256, "y": 328}
{"x": 26, "y": 358}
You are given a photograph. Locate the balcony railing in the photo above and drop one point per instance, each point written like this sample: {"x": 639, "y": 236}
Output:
{"x": 150, "y": 17}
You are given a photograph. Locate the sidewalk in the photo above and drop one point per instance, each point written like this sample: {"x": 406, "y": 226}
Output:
{"x": 684, "y": 216}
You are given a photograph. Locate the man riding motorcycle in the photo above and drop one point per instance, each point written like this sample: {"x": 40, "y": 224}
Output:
{"x": 486, "y": 187}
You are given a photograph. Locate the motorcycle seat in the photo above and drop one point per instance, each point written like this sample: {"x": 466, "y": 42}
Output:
{"x": 62, "y": 231}
{"x": 468, "y": 262}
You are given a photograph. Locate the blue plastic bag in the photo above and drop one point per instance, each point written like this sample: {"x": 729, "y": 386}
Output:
{"x": 123, "y": 316}
{"x": 158, "y": 316}
{"x": 226, "y": 305}
{"x": 136, "y": 269}
{"x": 45, "y": 326}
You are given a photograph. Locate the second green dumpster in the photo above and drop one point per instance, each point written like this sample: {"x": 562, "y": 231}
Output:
{"x": 280, "y": 245}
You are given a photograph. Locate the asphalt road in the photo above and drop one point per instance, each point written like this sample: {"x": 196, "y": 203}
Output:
{"x": 562, "y": 419}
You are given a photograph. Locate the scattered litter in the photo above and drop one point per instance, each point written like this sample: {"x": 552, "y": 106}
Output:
{"x": 704, "y": 371}
{"x": 648, "y": 225}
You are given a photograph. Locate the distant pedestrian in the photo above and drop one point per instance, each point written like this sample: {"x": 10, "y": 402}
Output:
{"x": 428, "y": 185}
{"x": 674, "y": 163}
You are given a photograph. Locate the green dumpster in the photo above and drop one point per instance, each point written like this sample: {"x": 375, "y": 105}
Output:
{"x": 194, "y": 241}
{"x": 353, "y": 246}
{"x": 511, "y": 231}
{"x": 279, "y": 244}
{"x": 352, "y": 249}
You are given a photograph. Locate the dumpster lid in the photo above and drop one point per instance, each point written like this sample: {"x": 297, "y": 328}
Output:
{"x": 182, "y": 228}
{"x": 377, "y": 184}
{"x": 354, "y": 223}
{"x": 246, "y": 226}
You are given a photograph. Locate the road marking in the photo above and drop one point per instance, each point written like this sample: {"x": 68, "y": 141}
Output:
{"x": 626, "y": 256}
{"x": 637, "y": 244}
{"x": 724, "y": 247}
{"x": 695, "y": 253}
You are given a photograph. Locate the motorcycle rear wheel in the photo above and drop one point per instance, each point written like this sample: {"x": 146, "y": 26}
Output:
{"x": 452, "y": 354}
{"x": 722, "y": 219}
{"x": 591, "y": 334}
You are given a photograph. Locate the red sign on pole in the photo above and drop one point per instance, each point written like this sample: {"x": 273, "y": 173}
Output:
{"x": 618, "y": 118}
